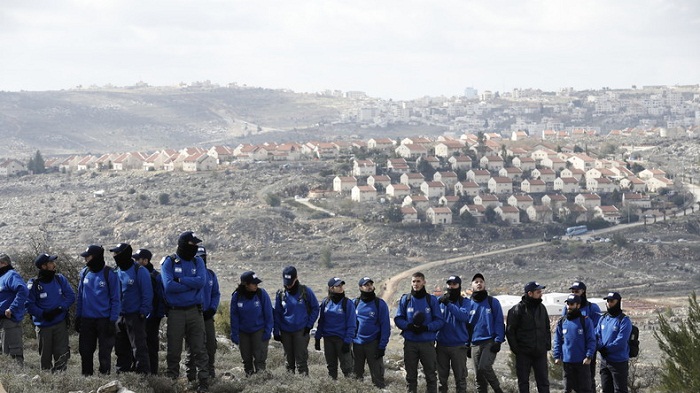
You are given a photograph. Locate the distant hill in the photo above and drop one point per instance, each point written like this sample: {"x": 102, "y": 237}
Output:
{"x": 149, "y": 118}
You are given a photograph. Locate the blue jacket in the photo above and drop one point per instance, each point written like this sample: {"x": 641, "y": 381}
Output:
{"x": 406, "y": 311}
{"x": 97, "y": 298}
{"x": 486, "y": 321}
{"x": 590, "y": 310}
{"x": 613, "y": 334}
{"x": 572, "y": 341}
{"x": 137, "y": 291}
{"x": 292, "y": 314}
{"x": 337, "y": 320}
{"x": 251, "y": 315}
{"x": 13, "y": 295}
{"x": 211, "y": 293}
{"x": 454, "y": 332}
{"x": 192, "y": 276}
{"x": 371, "y": 323}
{"x": 46, "y": 296}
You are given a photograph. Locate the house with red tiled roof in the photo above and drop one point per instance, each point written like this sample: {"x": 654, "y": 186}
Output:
{"x": 633, "y": 184}
{"x": 397, "y": 165}
{"x": 479, "y": 176}
{"x": 379, "y": 180}
{"x": 85, "y": 163}
{"x": 344, "y": 184}
{"x": 476, "y": 211}
{"x": 466, "y": 188}
{"x": 410, "y": 215}
{"x": 588, "y": 200}
{"x": 412, "y": 179}
{"x": 448, "y": 178}
{"x": 446, "y": 149}
{"x": 420, "y": 202}
{"x": 540, "y": 213}
{"x": 500, "y": 185}
{"x": 492, "y": 163}
{"x": 540, "y": 154}
{"x": 576, "y": 173}
{"x": 363, "y": 168}
{"x": 69, "y": 164}
{"x": 380, "y": 144}
{"x": 600, "y": 185}
{"x": 649, "y": 173}
{"x": 128, "y": 161}
{"x": 608, "y": 213}
{"x": 431, "y": 160}
{"x": 566, "y": 185}
{"x": 412, "y": 151}
{"x": 363, "y": 194}
{"x": 460, "y": 163}
{"x": 11, "y": 167}
{"x": 546, "y": 174}
{"x": 508, "y": 214}
{"x": 439, "y": 215}
{"x": 398, "y": 190}
{"x": 511, "y": 172}
{"x": 521, "y": 201}
{"x": 448, "y": 200}
{"x": 221, "y": 153}
{"x": 656, "y": 183}
{"x": 582, "y": 161}
{"x": 555, "y": 163}
{"x": 416, "y": 141}
{"x": 532, "y": 186}
{"x": 487, "y": 200}
{"x": 200, "y": 162}
{"x": 637, "y": 199}
{"x": 524, "y": 163}
{"x": 555, "y": 201}
{"x": 433, "y": 189}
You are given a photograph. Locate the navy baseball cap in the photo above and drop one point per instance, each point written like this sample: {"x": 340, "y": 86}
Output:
{"x": 454, "y": 279}
{"x": 578, "y": 285}
{"x": 289, "y": 274}
{"x": 613, "y": 295}
{"x": 250, "y": 278}
{"x": 188, "y": 236}
{"x": 201, "y": 251}
{"x": 364, "y": 280}
{"x": 142, "y": 253}
{"x": 533, "y": 286}
{"x": 478, "y": 275}
{"x": 573, "y": 299}
{"x": 94, "y": 250}
{"x": 119, "y": 248}
{"x": 44, "y": 258}
{"x": 335, "y": 282}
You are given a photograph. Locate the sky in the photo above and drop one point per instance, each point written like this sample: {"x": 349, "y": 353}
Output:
{"x": 389, "y": 49}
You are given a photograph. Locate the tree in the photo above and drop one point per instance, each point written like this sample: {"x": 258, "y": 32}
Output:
{"x": 490, "y": 214}
{"x": 467, "y": 219}
{"x": 273, "y": 200}
{"x": 394, "y": 214}
{"x": 164, "y": 198}
{"x": 680, "y": 346}
{"x": 36, "y": 164}
{"x": 326, "y": 257}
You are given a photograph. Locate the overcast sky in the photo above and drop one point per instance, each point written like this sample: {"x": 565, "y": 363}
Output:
{"x": 390, "y": 49}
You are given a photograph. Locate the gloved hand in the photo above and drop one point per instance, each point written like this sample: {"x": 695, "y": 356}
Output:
{"x": 317, "y": 345}
{"x": 421, "y": 329}
{"x": 49, "y": 315}
{"x": 445, "y": 299}
{"x": 418, "y": 318}
{"x": 345, "y": 348}
{"x": 380, "y": 353}
{"x": 208, "y": 314}
{"x": 77, "y": 324}
{"x": 277, "y": 337}
{"x": 496, "y": 347}
{"x": 469, "y": 352}
{"x": 307, "y": 330}
{"x": 112, "y": 328}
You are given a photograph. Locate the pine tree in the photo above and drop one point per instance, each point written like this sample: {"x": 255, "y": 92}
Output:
{"x": 39, "y": 164}
{"x": 680, "y": 346}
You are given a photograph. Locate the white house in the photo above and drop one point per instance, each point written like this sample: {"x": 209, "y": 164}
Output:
{"x": 566, "y": 185}
{"x": 413, "y": 179}
{"x": 487, "y": 200}
{"x": 460, "y": 163}
{"x": 411, "y": 151}
{"x": 540, "y": 213}
{"x": 500, "y": 185}
{"x": 433, "y": 189}
{"x": 532, "y": 186}
{"x": 448, "y": 148}
{"x": 513, "y": 173}
{"x": 344, "y": 184}
{"x": 479, "y": 176}
{"x": 546, "y": 174}
{"x": 588, "y": 201}
{"x": 466, "y": 188}
{"x": 600, "y": 185}
{"x": 492, "y": 163}
{"x": 439, "y": 215}
{"x": 199, "y": 163}
{"x": 410, "y": 215}
{"x": 398, "y": 190}
{"x": 363, "y": 194}
{"x": 524, "y": 163}
{"x": 520, "y": 201}
{"x": 448, "y": 178}
{"x": 555, "y": 201}
{"x": 509, "y": 214}
{"x": 364, "y": 168}
{"x": 380, "y": 144}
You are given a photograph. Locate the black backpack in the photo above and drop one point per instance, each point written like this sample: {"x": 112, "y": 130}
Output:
{"x": 633, "y": 342}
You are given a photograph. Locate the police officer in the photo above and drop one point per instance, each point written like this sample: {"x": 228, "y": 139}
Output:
{"x": 453, "y": 337}
{"x": 143, "y": 258}
{"x": 184, "y": 277}
{"x": 589, "y": 310}
{"x": 574, "y": 344}
{"x": 97, "y": 311}
{"x": 529, "y": 336}
{"x": 210, "y": 304}
{"x": 336, "y": 326}
{"x": 296, "y": 310}
{"x": 613, "y": 335}
{"x": 251, "y": 322}
{"x": 487, "y": 334}
{"x": 419, "y": 318}
{"x": 13, "y": 296}
{"x": 373, "y": 331}
{"x": 131, "y": 347}
{"x": 50, "y": 297}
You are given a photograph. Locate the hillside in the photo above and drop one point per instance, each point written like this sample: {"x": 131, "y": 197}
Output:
{"x": 149, "y": 118}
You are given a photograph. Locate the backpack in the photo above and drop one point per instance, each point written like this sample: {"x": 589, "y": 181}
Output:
{"x": 633, "y": 342}
{"x": 105, "y": 270}
{"x": 376, "y": 304}
{"x": 583, "y": 323}
{"x": 258, "y": 293}
{"x": 282, "y": 294}
{"x": 157, "y": 299}
{"x": 343, "y": 306}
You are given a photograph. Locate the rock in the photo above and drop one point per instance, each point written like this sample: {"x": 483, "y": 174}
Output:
{"x": 111, "y": 387}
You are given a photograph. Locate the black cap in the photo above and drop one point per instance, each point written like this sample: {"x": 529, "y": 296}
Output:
{"x": 188, "y": 236}
{"x": 613, "y": 295}
{"x": 533, "y": 286}
{"x": 5, "y": 258}
{"x": 44, "y": 258}
{"x": 93, "y": 250}
{"x": 335, "y": 282}
{"x": 578, "y": 285}
{"x": 119, "y": 248}
{"x": 142, "y": 253}
{"x": 289, "y": 274}
{"x": 454, "y": 279}
{"x": 573, "y": 299}
{"x": 478, "y": 275}
{"x": 250, "y": 278}
{"x": 364, "y": 280}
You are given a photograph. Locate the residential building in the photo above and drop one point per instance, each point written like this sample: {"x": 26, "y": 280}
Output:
{"x": 439, "y": 215}
{"x": 500, "y": 185}
{"x": 363, "y": 194}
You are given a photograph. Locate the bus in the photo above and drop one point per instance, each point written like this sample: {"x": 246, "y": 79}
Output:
{"x": 577, "y": 230}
